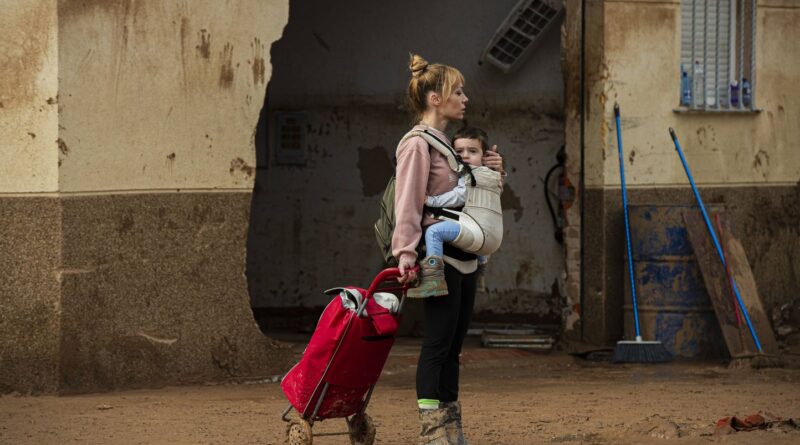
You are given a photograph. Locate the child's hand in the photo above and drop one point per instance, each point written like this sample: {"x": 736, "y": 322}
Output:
{"x": 493, "y": 160}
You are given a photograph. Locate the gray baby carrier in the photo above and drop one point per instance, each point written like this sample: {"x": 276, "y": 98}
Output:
{"x": 481, "y": 218}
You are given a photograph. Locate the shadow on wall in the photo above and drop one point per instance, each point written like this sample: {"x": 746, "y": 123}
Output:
{"x": 257, "y": 231}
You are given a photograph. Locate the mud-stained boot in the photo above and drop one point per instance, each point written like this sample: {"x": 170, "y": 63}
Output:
{"x": 433, "y": 283}
{"x": 455, "y": 432}
{"x": 432, "y": 427}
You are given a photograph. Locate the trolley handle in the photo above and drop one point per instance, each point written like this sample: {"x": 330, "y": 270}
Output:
{"x": 386, "y": 275}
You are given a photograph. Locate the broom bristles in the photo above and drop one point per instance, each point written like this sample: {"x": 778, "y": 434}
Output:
{"x": 640, "y": 352}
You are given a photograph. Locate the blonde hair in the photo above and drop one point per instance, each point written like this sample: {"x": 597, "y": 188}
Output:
{"x": 426, "y": 77}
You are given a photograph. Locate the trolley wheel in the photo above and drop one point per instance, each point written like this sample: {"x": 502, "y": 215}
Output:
{"x": 361, "y": 429}
{"x": 299, "y": 432}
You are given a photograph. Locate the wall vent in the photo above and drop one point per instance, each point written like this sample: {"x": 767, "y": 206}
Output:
{"x": 290, "y": 144}
{"x": 521, "y": 31}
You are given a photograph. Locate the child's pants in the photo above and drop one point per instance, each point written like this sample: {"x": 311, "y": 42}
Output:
{"x": 438, "y": 234}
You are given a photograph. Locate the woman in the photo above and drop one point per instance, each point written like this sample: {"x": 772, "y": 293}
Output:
{"x": 436, "y": 96}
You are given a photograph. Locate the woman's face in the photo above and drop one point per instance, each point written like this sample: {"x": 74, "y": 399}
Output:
{"x": 453, "y": 107}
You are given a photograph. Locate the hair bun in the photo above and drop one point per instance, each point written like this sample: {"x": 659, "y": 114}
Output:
{"x": 417, "y": 65}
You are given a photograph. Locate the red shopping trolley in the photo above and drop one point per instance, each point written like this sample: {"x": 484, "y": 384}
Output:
{"x": 342, "y": 362}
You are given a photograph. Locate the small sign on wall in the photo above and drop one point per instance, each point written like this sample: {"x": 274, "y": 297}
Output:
{"x": 290, "y": 138}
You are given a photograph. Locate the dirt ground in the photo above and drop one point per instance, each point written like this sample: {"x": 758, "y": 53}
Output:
{"x": 509, "y": 396}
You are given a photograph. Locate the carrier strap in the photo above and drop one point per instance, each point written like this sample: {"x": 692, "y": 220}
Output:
{"x": 439, "y": 212}
{"x": 453, "y": 159}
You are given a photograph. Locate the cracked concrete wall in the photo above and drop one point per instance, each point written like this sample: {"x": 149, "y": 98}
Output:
{"x": 130, "y": 272}
{"x": 314, "y": 221}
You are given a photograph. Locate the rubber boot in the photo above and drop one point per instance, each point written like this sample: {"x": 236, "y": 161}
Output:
{"x": 455, "y": 432}
{"x": 432, "y": 427}
{"x": 433, "y": 283}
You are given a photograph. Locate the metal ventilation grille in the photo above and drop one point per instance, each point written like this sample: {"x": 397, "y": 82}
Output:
{"x": 520, "y": 32}
{"x": 291, "y": 138}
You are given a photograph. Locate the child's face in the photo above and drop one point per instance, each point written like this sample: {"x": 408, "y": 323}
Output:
{"x": 470, "y": 151}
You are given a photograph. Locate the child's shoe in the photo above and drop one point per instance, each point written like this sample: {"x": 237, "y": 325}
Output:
{"x": 433, "y": 283}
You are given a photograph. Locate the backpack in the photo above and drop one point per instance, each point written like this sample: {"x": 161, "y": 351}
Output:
{"x": 384, "y": 226}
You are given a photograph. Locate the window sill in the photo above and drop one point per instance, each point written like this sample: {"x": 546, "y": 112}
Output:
{"x": 687, "y": 110}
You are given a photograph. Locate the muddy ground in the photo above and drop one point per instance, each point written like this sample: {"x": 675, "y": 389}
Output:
{"x": 509, "y": 397}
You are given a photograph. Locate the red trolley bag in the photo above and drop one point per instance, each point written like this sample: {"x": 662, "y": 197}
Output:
{"x": 342, "y": 362}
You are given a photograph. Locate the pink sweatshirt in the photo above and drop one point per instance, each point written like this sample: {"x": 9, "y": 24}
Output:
{"x": 420, "y": 172}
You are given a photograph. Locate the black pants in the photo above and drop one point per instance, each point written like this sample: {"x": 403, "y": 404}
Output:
{"x": 446, "y": 322}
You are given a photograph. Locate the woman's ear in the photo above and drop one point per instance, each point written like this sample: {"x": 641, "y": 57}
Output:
{"x": 434, "y": 99}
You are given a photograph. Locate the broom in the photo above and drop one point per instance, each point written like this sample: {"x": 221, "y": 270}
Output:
{"x": 633, "y": 351}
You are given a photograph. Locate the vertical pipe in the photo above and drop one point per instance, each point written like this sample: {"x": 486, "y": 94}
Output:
{"x": 582, "y": 284}
{"x": 740, "y": 9}
{"x": 731, "y": 45}
{"x": 716, "y": 60}
{"x": 705, "y": 54}
{"x": 691, "y": 61}
{"x": 753, "y": 54}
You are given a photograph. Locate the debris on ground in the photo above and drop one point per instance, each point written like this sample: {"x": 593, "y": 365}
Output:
{"x": 759, "y": 421}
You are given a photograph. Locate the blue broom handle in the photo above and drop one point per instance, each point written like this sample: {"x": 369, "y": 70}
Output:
{"x": 627, "y": 227}
{"x": 714, "y": 238}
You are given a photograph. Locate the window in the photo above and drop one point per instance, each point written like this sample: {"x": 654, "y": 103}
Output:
{"x": 717, "y": 55}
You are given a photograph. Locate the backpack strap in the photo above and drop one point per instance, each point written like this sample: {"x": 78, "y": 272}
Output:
{"x": 453, "y": 159}
{"x": 439, "y": 145}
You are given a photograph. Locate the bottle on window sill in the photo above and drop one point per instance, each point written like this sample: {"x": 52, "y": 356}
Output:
{"x": 686, "y": 88}
{"x": 698, "y": 85}
{"x": 734, "y": 94}
{"x": 747, "y": 93}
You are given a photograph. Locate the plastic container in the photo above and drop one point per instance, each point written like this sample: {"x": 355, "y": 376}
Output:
{"x": 747, "y": 93}
{"x": 735, "y": 94}
{"x": 686, "y": 89}
{"x": 698, "y": 85}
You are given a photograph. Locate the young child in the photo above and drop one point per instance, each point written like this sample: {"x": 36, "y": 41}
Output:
{"x": 471, "y": 144}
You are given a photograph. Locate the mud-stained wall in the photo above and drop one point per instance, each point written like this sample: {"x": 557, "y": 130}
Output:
{"x": 28, "y": 96}
{"x": 744, "y": 160}
{"x": 29, "y": 214}
{"x": 754, "y": 148}
{"x": 162, "y": 95}
{"x": 313, "y": 223}
{"x": 131, "y": 272}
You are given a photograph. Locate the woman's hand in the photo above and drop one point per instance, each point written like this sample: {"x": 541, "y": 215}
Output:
{"x": 494, "y": 160}
{"x": 407, "y": 271}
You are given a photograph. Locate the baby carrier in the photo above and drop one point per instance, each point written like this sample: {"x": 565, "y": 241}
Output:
{"x": 481, "y": 218}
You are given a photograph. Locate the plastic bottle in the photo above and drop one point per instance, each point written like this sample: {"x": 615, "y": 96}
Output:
{"x": 698, "y": 85}
{"x": 686, "y": 88}
{"x": 735, "y": 94}
{"x": 747, "y": 93}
